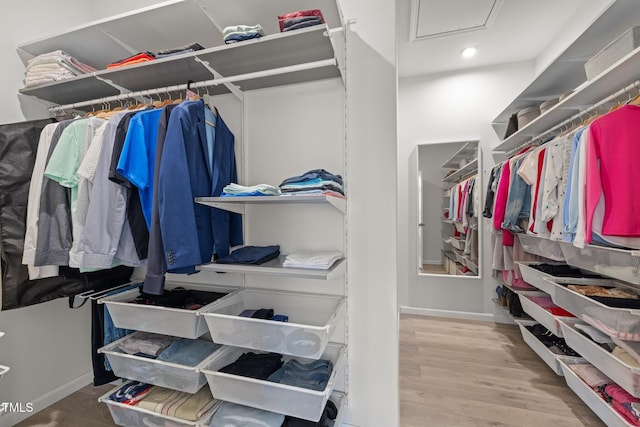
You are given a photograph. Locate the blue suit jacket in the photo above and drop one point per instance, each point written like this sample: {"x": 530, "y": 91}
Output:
{"x": 227, "y": 226}
{"x": 188, "y": 229}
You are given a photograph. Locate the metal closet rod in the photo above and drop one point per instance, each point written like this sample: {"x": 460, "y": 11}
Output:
{"x": 625, "y": 90}
{"x": 202, "y": 84}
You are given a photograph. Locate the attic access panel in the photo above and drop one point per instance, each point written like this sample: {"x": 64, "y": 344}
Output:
{"x": 437, "y": 18}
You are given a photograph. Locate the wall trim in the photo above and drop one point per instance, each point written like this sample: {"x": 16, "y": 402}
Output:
{"x": 50, "y": 398}
{"x": 486, "y": 317}
{"x": 432, "y": 262}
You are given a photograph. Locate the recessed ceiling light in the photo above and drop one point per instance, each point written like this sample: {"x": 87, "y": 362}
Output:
{"x": 468, "y": 52}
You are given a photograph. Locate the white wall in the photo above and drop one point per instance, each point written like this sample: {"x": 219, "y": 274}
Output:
{"x": 448, "y": 107}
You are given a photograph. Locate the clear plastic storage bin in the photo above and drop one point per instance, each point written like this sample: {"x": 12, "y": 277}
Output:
{"x": 623, "y": 320}
{"x": 156, "y": 372}
{"x": 541, "y": 246}
{"x": 550, "y": 358}
{"x": 133, "y": 416}
{"x": 312, "y": 320}
{"x": 284, "y": 399}
{"x": 626, "y": 376}
{"x": 544, "y": 317}
{"x": 601, "y": 408}
{"x": 160, "y": 320}
{"x": 544, "y": 281}
{"x": 620, "y": 264}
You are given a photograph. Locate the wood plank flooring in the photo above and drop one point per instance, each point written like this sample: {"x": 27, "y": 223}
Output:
{"x": 433, "y": 269}
{"x": 79, "y": 409}
{"x": 458, "y": 373}
{"x": 453, "y": 373}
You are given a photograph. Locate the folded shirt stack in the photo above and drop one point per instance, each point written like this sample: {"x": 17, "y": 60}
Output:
{"x": 238, "y": 33}
{"x": 316, "y": 181}
{"x": 255, "y": 365}
{"x": 182, "y": 351}
{"x": 318, "y": 260}
{"x": 179, "y": 50}
{"x": 178, "y": 404}
{"x": 301, "y": 19}
{"x": 134, "y": 59}
{"x": 53, "y": 66}
{"x": 234, "y": 415}
{"x": 131, "y": 393}
{"x": 237, "y": 190}
{"x": 251, "y": 255}
{"x": 314, "y": 375}
{"x": 145, "y": 344}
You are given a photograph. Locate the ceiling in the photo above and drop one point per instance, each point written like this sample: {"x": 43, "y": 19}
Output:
{"x": 432, "y": 33}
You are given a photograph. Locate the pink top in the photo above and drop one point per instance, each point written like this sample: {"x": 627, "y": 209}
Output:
{"x": 501, "y": 204}
{"x": 612, "y": 170}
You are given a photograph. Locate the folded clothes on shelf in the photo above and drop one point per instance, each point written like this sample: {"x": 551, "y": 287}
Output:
{"x": 53, "y": 66}
{"x": 146, "y": 343}
{"x": 291, "y": 21}
{"x": 179, "y": 50}
{"x": 255, "y": 365}
{"x": 187, "y": 299}
{"x": 236, "y": 190}
{"x": 133, "y": 59}
{"x": 238, "y": 33}
{"x": 178, "y": 404}
{"x": 321, "y": 260}
{"x": 313, "y": 181}
{"x": 188, "y": 352}
{"x": 131, "y": 393}
{"x": 251, "y": 255}
{"x": 314, "y": 375}
{"x": 234, "y": 415}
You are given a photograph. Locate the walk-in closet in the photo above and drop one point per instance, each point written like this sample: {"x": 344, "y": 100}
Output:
{"x": 320, "y": 213}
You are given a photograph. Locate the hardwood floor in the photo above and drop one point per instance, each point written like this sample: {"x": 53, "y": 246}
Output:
{"x": 469, "y": 373}
{"x": 433, "y": 269}
{"x": 453, "y": 373}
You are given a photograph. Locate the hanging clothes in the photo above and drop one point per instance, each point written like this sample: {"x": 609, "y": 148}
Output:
{"x": 18, "y": 147}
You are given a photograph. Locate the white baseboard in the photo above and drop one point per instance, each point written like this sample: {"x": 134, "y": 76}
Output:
{"x": 49, "y": 399}
{"x": 486, "y": 317}
{"x": 431, "y": 262}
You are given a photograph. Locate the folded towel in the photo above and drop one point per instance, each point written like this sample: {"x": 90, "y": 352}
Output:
{"x": 321, "y": 260}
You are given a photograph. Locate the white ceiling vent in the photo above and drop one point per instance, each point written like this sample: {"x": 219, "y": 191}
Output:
{"x": 440, "y": 18}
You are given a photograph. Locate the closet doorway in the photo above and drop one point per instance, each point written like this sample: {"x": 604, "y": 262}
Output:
{"x": 448, "y": 188}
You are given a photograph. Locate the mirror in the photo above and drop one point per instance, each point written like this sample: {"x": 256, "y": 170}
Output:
{"x": 449, "y": 195}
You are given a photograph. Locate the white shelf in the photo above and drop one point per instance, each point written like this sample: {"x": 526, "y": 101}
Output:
{"x": 567, "y": 73}
{"x": 619, "y": 75}
{"x": 237, "y": 204}
{"x": 275, "y": 268}
{"x": 464, "y": 171}
{"x": 592, "y": 399}
{"x": 466, "y": 152}
{"x": 293, "y": 48}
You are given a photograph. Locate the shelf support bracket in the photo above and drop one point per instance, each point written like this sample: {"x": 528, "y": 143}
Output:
{"x": 216, "y": 75}
{"x": 122, "y": 89}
